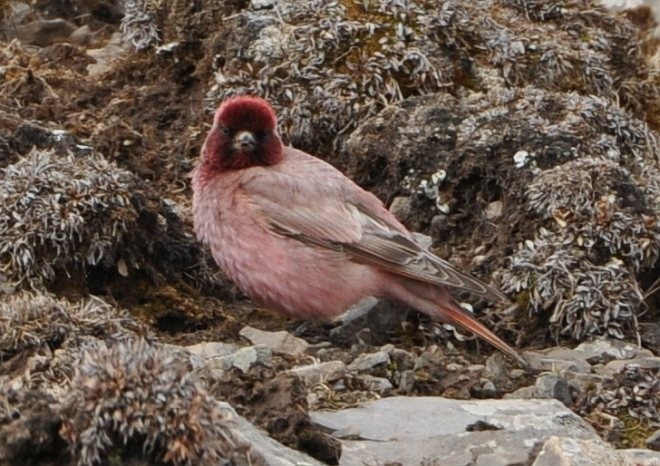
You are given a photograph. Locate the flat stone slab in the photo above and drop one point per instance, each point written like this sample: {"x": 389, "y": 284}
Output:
{"x": 413, "y": 430}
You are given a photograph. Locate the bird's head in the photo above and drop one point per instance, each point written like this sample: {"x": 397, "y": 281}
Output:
{"x": 244, "y": 134}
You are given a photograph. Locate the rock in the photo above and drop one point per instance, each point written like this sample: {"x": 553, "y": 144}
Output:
{"x": 614, "y": 367}
{"x": 212, "y": 349}
{"x": 82, "y": 35}
{"x": 523, "y": 393}
{"x": 553, "y": 386}
{"x": 376, "y": 384}
{"x": 104, "y": 56}
{"x": 557, "y": 359}
{"x": 313, "y": 374}
{"x": 369, "y": 360}
{"x": 494, "y": 210}
{"x": 401, "y": 207}
{"x": 604, "y": 350}
{"x": 381, "y": 317}
{"x": 245, "y": 357}
{"x": 581, "y": 382}
{"x": 570, "y": 451}
{"x": 217, "y": 357}
{"x": 421, "y": 430}
{"x": 653, "y": 442}
{"x": 44, "y": 32}
{"x": 407, "y": 381}
{"x": 279, "y": 342}
{"x": 263, "y": 448}
{"x": 402, "y": 359}
{"x": 496, "y": 366}
{"x": 488, "y": 388}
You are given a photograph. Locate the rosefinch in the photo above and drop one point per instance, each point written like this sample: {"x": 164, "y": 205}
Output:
{"x": 299, "y": 237}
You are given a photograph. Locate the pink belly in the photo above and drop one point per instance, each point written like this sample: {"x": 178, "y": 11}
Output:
{"x": 296, "y": 279}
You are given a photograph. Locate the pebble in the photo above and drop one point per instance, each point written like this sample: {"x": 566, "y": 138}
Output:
{"x": 370, "y": 360}
{"x": 313, "y": 374}
{"x": 281, "y": 342}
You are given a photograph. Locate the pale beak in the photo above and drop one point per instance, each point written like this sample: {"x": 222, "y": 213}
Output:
{"x": 244, "y": 142}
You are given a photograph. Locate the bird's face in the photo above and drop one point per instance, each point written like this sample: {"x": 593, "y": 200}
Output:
{"x": 244, "y": 134}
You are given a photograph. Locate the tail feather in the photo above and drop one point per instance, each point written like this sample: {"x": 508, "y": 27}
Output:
{"x": 453, "y": 314}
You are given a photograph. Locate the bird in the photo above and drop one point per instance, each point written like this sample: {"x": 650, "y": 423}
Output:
{"x": 300, "y": 238}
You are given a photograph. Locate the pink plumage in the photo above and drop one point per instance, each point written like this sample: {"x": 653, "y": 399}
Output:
{"x": 299, "y": 237}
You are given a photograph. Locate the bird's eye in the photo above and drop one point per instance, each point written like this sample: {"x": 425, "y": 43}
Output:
{"x": 225, "y": 130}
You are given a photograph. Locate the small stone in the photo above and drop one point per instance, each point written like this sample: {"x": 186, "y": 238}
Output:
{"x": 202, "y": 354}
{"x": 440, "y": 224}
{"x": 520, "y": 158}
{"x": 261, "y": 4}
{"x": 603, "y": 350}
{"x": 82, "y": 35}
{"x": 553, "y": 386}
{"x": 653, "y": 442}
{"x": 425, "y": 241}
{"x": 523, "y": 393}
{"x": 489, "y": 388}
{"x": 615, "y": 367}
{"x": 401, "y": 207}
{"x": 376, "y": 384}
{"x": 476, "y": 367}
{"x": 402, "y": 359}
{"x": 407, "y": 381}
{"x": 581, "y": 380}
{"x": 281, "y": 342}
{"x": 453, "y": 367}
{"x": 245, "y": 357}
{"x": 370, "y": 360}
{"x": 381, "y": 317}
{"x": 44, "y": 32}
{"x": 314, "y": 374}
{"x": 517, "y": 373}
{"x": 494, "y": 210}
{"x": 496, "y": 366}
{"x": 556, "y": 360}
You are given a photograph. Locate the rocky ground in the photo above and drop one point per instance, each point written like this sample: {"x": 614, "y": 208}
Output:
{"x": 520, "y": 136}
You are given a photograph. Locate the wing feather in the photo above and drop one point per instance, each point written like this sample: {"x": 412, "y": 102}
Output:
{"x": 355, "y": 222}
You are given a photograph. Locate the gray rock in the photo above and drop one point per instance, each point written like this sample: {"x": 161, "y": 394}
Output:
{"x": 402, "y": 359}
{"x": 381, "y": 317}
{"x": 376, "y": 384}
{"x": 245, "y": 357}
{"x": 202, "y": 353}
{"x": 653, "y": 442}
{"x": 523, "y": 393}
{"x": 412, "y": 430}
{"x": 494, "y": 210}
{"x": 369, "y": 360}
{"x": 496, "y": 366}
{"x": 401, "y": 207}
{"x": 570, "y": 451}
{"x": 614, "y": 367}
{"x": 217, "y": 357}
{"x": 553, "y": 386}
{"x": 407, "y": 381}
{"x": 489, "y": 388}
{"x": 279, "y": 342}
{"x": 263, "y": 449}
{"x": 557, "y": 359}
{"x": 313, "y": 374}
{"x": 604, "y": 349}
{"x": 44, "y": 32}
